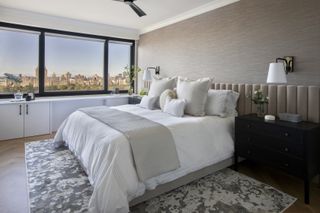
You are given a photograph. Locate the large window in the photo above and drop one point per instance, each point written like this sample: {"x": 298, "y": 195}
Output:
{"x": 73, "y": 64}
{"x": 53, "y": 62}
{"x": 119, "y": 65}
{"x": 19, "y": 61}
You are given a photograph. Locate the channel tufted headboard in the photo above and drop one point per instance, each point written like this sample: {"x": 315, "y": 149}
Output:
{"x": 303, "y": 100}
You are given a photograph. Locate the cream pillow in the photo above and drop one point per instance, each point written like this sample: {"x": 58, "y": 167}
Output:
{"x": 163, "y": 97}
{"x": 195, "y": 93}
{"x": 174, "y": 107}
{"x": 158, "y": 85}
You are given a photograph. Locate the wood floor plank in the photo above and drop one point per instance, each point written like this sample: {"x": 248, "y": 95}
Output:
{"x": 13, "y": 180}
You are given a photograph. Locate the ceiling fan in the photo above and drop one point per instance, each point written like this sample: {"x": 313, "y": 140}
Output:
{"x": 136, "y": 9}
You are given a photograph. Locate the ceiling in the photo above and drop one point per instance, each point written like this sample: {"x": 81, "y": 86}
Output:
{"x": 111, "y": 12}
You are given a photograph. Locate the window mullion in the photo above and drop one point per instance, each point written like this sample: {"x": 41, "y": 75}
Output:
{"x": 41, "y": 69}
{"x": 106, "y": 64}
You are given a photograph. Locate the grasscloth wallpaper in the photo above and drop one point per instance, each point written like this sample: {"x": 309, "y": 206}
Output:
{"x": 236, "y": 43}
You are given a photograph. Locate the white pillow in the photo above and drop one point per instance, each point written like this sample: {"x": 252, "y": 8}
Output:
{"x": 159, "y": 85}
{"x": 174, "y": 107}
{"x": 232, "y": 102}
{"x": 222, "y": 103}
{"x": 148, "y": 102}
{"x": 163, "y": 97}
{"x": 195, "y": 93}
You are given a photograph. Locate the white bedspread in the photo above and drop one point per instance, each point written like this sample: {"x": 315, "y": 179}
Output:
{"x": 106, "y": 155}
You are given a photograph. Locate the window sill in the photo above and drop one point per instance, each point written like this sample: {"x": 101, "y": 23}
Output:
{"x": 66, "y": 98}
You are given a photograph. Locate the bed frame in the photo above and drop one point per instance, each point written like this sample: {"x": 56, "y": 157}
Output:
{"x": 304, "y": 100}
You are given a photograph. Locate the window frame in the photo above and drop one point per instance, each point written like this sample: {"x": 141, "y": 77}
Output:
{"x": 41, "y": 62}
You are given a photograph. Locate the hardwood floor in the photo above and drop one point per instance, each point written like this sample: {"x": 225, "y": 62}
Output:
{"x": 13, "y": 187}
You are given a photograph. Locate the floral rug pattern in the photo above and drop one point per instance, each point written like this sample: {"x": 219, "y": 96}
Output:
{"x": 57, "y": 183}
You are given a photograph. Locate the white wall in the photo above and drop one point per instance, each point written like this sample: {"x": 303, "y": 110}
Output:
{"x": 53, "y": 22}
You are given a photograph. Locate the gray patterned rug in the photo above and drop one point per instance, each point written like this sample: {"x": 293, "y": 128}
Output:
{"x": 57, "y": 183}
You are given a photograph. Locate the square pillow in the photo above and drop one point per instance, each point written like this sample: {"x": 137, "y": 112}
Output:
{"x": 174, "y": 107}
{"x": 222, "y": 103}
{"x": 159, "y": 85}
{"x": 148, "y": 102}
{"x": 195, "y": 93}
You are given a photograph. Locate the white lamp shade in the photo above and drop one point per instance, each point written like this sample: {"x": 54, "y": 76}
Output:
{"x": 147, "y": 75}
{"x": 276, "y": 73}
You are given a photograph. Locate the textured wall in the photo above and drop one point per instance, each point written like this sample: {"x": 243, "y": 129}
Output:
{"x": 236, "y": 43}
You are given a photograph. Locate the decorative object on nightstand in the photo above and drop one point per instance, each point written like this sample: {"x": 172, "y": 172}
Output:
{"x": 143, "y": 92}
{"x": 291, "y": 147}
{"x": 259, "y": 99}
{"x": 135, "y": 99}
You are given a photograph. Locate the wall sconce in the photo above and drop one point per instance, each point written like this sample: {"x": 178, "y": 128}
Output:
{"x": 278, "y": 70}
{"x": 156, "y": 69}
{"x": 147, "y": 76}
{"x": 288, "y": 63}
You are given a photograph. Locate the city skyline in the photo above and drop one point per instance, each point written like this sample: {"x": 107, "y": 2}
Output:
{"x": 64, "y": 82}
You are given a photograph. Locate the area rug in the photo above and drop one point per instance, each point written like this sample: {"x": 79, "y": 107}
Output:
{"x": 57, "y": 183}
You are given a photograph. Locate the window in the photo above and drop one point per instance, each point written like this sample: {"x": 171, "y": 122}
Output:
{"x": 119, "y": 65}
{"x": 52, "y": 62}
{"x": 73, "y": 64}
{"x": 19, "y": 61}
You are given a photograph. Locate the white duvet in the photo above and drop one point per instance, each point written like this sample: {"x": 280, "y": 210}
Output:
{"x": 106, "y": 155}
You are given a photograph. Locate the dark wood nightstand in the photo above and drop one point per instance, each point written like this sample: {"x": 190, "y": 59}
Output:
{"x": 291, "y": 147}
{"x": 135, "y": 99}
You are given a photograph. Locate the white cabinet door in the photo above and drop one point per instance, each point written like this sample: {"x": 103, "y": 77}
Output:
{"x": 11, "y": 121}
{"x": 37, "y": 119}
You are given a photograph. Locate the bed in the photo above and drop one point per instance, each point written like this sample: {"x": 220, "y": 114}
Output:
{"x": 203, "y": 144}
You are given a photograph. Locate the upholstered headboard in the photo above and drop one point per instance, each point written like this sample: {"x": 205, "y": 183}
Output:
{"x": 303, "y": 100}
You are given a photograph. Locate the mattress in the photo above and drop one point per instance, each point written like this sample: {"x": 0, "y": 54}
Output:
{"x": 106, "y": 156}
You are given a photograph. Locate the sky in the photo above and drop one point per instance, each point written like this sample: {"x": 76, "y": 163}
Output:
{"x": 19, "y": 54}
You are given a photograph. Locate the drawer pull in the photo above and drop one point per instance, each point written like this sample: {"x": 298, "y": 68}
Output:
{"x": 248, "y": 126}
{"x": 286, "y": 165}
{"x": 286, "y": 149}
{"x": 286, "y": 134}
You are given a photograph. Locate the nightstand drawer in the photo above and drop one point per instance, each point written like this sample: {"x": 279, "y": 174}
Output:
{"x": 267, "y": 129}
{"x": 288, "y": 164}
{"x": 287, "y": 147}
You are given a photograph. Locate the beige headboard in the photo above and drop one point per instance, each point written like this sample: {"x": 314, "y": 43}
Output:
{"x": 303, "y": 100}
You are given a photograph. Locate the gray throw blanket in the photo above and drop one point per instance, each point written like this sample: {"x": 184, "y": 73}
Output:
{"x": 152, "y": 144}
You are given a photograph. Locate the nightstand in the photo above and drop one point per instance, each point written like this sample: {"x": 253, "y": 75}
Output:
{"x": 135, "y": 99}
{"x": 291, "y": 147}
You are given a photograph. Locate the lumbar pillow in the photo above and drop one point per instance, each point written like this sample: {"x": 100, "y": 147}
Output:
{"x": 148, "y": 102}
{"x": 174, "y": 107}
{"x": 195, "y": 93}
{"x": 163, "y": 97}
{"x": 221, "y": 102}
{"x": 158, "y": 85}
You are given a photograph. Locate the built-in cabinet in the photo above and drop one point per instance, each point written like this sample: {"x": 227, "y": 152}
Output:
{"x": 46, "y": 115}
{"x": 12, "y": 121}
{"x": 36, "y": 119}
{"x": 24, "y": 119}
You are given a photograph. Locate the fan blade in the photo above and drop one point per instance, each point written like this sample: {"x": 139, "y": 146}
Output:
{"x": 136, "y": 9}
